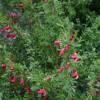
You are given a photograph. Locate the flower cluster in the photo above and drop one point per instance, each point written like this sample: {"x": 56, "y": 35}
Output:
{"x": 14, "y": 16}
{"x": 21, "y": 82}
{"x": 6, "y": 31}
{"x": 13, "y": 79}
{"x": 74, "y": 56}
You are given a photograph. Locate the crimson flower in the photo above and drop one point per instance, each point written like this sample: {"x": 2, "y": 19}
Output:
{"x": 7, "y": 28}
{"x": 45, "y": 98}
{"x": 74, "y": 57}
{"x": 74, "y": 74}
{"x": 11, "y": 36}
{"x": 61, "y": 69}
{"x": 98, "y": 80}
{"x": 98, "y": 92}
{"x": 4, "y": 66}
{"x": 28, "y": 90}
{"x": 57, "y": 43}
{"x": 42, "y": 92}
{"x": 12, "y": 79}
{"x": 12, "y": 14}
{"x": 77, "y": 59}
{"x": 62, "y": 51}
{"x": 22, "y": 82}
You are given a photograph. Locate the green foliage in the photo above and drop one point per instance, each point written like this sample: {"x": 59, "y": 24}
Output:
{"x": 33, "y": 56}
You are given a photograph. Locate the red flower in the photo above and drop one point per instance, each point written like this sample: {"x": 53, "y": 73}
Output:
{"x": 74, "y": 74}
{"x": 62, "y": 52}
{"x": 42, "y": 92}
{"x": 12, "y": 79}
{"x": 74, "y": 57}
{"x": 98, "y": 80}
{"x": 67, "y": 47}
{"x": 57, "y": 43}
{"x": 98, "y": 92}
{"x": 7, "y": 28}
{"x": 28, "y": 90}
{"x": 61, "y": 69}
{"x": 4, "y": 66}
{"x": 22, "y": 82}
{"x": 12, "y": 14}
{"x": 77, "y": 59}
{"x": 11, "y": 36}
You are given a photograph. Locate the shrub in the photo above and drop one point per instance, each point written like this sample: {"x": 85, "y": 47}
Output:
{"x": 49, "y": 50}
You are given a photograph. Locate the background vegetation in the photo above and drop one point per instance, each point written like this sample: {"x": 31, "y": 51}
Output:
{"x": 53, "y": 47}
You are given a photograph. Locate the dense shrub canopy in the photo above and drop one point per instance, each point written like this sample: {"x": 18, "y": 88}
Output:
{"x": 49, "y": 49}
